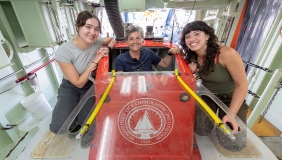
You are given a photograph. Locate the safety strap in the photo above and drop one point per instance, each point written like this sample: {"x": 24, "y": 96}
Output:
{"x": 96, "y": 110}
{"x": 225, "y": 129}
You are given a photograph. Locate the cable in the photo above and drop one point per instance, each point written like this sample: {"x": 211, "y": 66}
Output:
{"x": 191, "y": 11}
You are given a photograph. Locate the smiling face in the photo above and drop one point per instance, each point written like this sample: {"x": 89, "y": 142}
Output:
{"x": 196, "y": 40}
{"x": 134, "y": 41}
{"x": 90, "y": 31}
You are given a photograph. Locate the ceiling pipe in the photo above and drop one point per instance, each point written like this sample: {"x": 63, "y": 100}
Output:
{"x": 114, "y": 15}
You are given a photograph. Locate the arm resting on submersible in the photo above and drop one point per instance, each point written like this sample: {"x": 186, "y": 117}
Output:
{"x": 226, "y": 130}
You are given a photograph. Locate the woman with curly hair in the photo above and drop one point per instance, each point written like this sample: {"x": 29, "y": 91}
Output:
{"x": 220, "y": 68}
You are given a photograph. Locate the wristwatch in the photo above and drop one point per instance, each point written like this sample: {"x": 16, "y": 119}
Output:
{"x": 110, "y": 48}
{"x": 170, "y": 54}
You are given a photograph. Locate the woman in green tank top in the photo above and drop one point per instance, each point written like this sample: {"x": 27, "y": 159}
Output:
{"x": 220, "y": 68}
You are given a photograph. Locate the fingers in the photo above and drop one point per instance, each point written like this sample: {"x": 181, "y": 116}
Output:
{"x": 177, "y": 50}
{"x": 174, "y": 50}
{"x": 102, "y": 52}
{"x": 234, "y": 131}
{"x": 99, "y": 54}
{"x": 235, "y": 127}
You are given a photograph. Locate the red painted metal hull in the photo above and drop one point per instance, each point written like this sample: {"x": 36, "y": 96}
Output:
{"x": 145, "y": 123}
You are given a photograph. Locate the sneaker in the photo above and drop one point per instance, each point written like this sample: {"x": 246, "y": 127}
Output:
{"x": 88, "y": 137}
{"x": 74, "y": 131}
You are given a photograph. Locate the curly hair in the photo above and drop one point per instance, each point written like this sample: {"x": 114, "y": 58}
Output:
{"x": 83, "y": 16}
{"x": 212, "y": 45}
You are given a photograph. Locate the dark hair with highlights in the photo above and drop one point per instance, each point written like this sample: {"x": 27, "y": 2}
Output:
{"x": 213, "y": 47}
{"x": 83, "y": 16}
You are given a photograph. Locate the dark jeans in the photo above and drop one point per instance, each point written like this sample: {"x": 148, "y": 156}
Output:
{"x": 68, "y": 98}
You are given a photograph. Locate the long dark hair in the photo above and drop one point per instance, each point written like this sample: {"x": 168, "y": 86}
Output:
{"x": 82, "y": 18}
{"x": 213, "y": 47}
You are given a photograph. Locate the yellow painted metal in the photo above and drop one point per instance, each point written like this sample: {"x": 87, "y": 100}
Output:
{"x": 226, "y": 130}
{"x": 96, "y": 110}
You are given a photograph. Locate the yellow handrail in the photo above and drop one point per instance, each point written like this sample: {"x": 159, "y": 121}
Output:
{"x": 96, "y": 110}
{"x": 226, "y": 130}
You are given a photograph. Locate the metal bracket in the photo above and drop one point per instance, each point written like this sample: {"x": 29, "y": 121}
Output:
{"x": 9, "y": 126}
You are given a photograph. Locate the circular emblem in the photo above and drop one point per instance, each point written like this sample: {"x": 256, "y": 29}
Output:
{"x": 145, "y": 121}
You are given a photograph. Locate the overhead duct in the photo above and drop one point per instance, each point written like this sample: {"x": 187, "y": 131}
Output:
{"x": 114, "y": 16}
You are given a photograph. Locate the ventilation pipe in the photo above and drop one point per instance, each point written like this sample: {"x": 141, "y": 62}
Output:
{"x": 114, "y": 16}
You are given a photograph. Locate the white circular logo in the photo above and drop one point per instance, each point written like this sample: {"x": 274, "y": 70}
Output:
{"x": 145, "y": 121}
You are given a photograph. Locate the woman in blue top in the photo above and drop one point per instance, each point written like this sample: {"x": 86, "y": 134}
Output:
{"x": 137, "y": 58}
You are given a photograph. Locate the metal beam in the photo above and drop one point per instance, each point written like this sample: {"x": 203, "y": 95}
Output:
{"x": 199, "y": 5}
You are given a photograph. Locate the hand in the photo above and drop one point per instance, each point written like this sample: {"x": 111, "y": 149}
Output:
{"x": 104, "y": 51}
{"x": 174, "y": 50}
{"x": 232, "y": 122}
{"x": 98, "y": 55}
{"x": 193, "y": 67}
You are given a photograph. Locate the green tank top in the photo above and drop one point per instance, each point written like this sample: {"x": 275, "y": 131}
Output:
{"x": 219, "y": 81}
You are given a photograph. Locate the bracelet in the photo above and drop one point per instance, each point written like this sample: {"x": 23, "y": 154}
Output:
{"x": 170, "y": 54}
{"x": 110, "y": 48}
